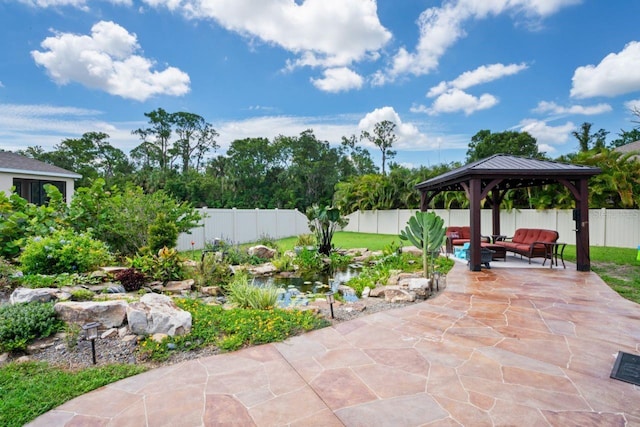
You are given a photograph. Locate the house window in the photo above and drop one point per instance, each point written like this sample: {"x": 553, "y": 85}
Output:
{"x": 33, "y": 189}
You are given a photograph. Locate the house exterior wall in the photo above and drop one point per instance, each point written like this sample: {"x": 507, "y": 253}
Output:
{"x": 6, "y": 182}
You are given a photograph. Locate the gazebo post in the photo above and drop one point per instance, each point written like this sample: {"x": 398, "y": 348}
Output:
{"x": 475, "y": 263}
{"x": 583, "y": 263}
{"x": 495, "y": 211}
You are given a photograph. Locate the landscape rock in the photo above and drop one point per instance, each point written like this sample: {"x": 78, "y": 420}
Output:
{"x": 111, "y": 332}
{"x": 412, "y": 250}
{"x": 21, "y": 295}
{"x": 4, "y": 357}
{"x": 366, "y": 292}
{"x": 178, "y": 287}
{"x": 155, "y": 314}
{"x": 397, "y": 276}
{"x": 393, "y": 294}
{"x": 110, "y": 314}
{"x": 211, "y": 290}
{"x": 377, "y": 292}
{"x": 262, "y": 251}
{"x": 263, "y": 270}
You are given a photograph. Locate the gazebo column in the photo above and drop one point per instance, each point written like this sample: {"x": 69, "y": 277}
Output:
{"x": 496, "y": 199}
{"x": 583, "y": 263}
{"x": 475, "y": 198}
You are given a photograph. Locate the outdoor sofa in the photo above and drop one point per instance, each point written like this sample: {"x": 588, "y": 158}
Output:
{"x": 529, "y": 242}
{"x": 458, "y": 236}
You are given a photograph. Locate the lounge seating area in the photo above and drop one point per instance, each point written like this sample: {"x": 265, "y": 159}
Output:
{"x": 529, "y": 242}
{"x": 526, "y": 242}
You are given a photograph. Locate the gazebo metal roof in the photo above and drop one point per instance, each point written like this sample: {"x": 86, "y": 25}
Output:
{"x": 513, "y": 171}
{"x": 492, "y": 177}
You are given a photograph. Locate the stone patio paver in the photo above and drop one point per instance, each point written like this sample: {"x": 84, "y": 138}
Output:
{"x": 526, "y": 347}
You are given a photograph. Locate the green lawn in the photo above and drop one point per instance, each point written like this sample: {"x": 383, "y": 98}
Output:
{"x": 30, "y": 389}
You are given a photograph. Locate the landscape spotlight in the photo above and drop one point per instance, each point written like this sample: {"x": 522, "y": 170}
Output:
{"x": 330, "y": 300}
{"x": 91, "y": 333}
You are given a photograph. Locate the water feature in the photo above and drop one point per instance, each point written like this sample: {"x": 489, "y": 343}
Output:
{"x": 300, "y": 289}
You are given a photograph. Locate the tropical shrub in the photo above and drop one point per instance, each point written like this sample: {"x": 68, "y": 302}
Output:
{"x": 323, "y": 222}
{"x": 7, "y": 273}
{"x": 121, "y": 217}
{"x": 164, "y": 266}
{"x": 19, "y": 219}
{"x": 211, "y": 272}
{"x": 130, "y": 279}
{"x": 64, "y": 251}
{"x": 22, "y": 323}
{"x": 34, "y": 281}
{"x": 284, "y": 263}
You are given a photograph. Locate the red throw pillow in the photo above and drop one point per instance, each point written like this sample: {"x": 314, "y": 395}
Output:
{"x": 454, "y": 235}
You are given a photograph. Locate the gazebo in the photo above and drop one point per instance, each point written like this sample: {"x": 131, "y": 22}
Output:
{"x": 490, "y": 178}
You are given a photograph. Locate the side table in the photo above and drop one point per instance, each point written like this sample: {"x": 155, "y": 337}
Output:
{"x": 553, "y": 250}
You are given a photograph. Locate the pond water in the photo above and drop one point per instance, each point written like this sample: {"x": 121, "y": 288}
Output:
{"x": 299, "y": 290}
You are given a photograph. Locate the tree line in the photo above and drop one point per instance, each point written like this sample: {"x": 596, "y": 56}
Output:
{"x": 177, "y": 154}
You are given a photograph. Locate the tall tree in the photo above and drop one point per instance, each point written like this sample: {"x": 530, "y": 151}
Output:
{"x": 484, "y": 144}
{"x": 196, "y": 137}
{"x": 383, "y": 137}
{"x": 587, "y": 140}
{"x": 156, "y": 138}
{"x": 625, "y": 137}
{"x": 354, "y": 159}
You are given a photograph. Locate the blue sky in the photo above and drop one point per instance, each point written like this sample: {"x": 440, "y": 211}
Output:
{"x": 441, "y": 70}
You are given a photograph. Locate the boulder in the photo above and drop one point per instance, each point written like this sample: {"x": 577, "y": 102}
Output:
{"x": 393, "y": 294}
{"x": 412, "y": 250}
{"x": 110, "y": 314}
{"x": 211, "y": 290}
{"x": 377, "y": 292}
{"x": 20, "y": 295}
{"x": 178, "y": 287}
{"x": 263, "y": 270}
{"x": 262, "y": 251}
{"x": 157, "y": 314}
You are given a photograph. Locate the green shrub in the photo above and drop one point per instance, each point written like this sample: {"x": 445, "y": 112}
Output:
{"x": 309, "y": 261}
{"x": 284, "y": 263}
{"x": 64, "y": 251}
{"x": 22, "y": 323}
{"x": 211, "y": 272}
{"x": 7, "y": 273}
{"x": 306, "y": 240}
{"x": 81, "y": 295}
{"x": 121, "y": 216}
{"x": 19, "y": 219}
{"x": 162, "y": 233}
{"x": 57, "y": 280}
{"x": 243, "y": 293}
{"x": 130, "y": 279}
{"x": 166, "y": 265}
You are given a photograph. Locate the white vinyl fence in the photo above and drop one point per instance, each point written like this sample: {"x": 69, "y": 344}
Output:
{"x": 613, "y": 227}
{"x": 243, "y": 225}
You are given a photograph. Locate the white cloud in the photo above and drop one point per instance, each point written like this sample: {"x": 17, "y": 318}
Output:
{"x": 409, "y": 136}
{"x": 456, "y": 100}
{"x": 614, "y": 75}
{"x": 441, "y": 27}
{"x": 107, "y": 60}
{"x": 23, "y": 126}
{"x": 338, "y": 79}
{"x": 553, "y": 108}
{"x": 482, "y": 74}
{"x": 634, "y": 104}
{"x": 324, "y": 33}
{"x": 78, "y": 4}
{"x": 548, "y": 137}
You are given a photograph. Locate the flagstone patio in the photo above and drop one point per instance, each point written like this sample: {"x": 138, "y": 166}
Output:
{"x": 505, "y": 346}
